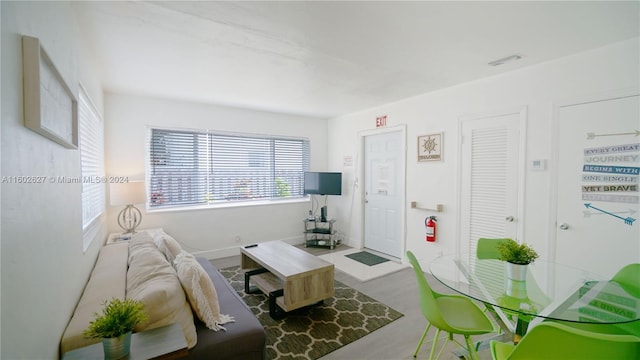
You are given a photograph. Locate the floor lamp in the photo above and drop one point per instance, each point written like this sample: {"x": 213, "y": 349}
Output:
{"x": 128, "y": 194}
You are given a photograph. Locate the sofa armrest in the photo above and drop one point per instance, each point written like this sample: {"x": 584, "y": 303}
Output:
{"x": 107, "y": 281}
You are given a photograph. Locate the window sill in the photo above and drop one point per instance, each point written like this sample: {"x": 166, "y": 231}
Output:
{"x": 91, "y": 232}
{"x": 224, "y": 205}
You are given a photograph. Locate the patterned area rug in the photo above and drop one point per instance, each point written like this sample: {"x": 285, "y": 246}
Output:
{"x": 315, "y": 331}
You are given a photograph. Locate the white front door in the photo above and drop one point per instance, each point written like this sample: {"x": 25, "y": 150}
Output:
{"x": 384, "y": 192}
{"x": 597, "y": 184}
{"x": 491, "y": 177}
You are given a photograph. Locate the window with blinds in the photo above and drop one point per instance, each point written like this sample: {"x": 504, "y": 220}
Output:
{"x": 91, "y": 141}
{"x": 191, "y": 168}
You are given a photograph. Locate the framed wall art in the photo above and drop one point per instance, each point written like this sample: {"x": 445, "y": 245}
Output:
{"x": 430, "y": 147}
{"x": 50, "y": 107}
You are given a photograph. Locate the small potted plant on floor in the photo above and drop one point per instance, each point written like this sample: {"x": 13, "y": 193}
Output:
{"x": 517, "y": 256}
{"x": 115, "y": 326}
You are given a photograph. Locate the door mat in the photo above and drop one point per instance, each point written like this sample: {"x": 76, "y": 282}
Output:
{"x": 367, "y": 258}
{"x": 359, "y": 270}
{"x": 312, "y": 332}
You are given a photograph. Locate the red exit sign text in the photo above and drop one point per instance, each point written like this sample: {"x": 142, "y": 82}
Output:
{"x": 381, "y": 121}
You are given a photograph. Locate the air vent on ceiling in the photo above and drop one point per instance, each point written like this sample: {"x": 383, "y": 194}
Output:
{"x": 505, "y": 60}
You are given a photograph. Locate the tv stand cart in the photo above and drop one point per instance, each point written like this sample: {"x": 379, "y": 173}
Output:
{"x": 318, "y": 233}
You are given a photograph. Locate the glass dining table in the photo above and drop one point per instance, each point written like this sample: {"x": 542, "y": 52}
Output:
{"x": 550, "y": 291}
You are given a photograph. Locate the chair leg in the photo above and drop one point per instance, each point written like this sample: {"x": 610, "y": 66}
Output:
{"x": 435, "y": 344}
{"x": 471, "y": 349}
{"x": 449, "y": 338}
{"x": 415, "y": 354}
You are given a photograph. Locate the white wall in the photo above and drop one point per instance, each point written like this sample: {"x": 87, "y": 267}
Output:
{"x": 211, "y": 232}
{"x": 606, "y": 69}
{"x": 44, "y": 268}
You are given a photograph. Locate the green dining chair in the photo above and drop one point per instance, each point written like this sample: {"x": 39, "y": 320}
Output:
{"x": 488, "y": 248}
{"x": 550, "y": 340}
{"x": 629, "y": 278}
{"x": 454, "y": 314}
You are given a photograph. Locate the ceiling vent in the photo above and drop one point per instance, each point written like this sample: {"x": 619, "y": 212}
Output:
{"x": 505, "y": 60}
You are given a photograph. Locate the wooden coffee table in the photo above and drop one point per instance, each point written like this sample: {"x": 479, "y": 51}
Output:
{"x": 291, "y": 277}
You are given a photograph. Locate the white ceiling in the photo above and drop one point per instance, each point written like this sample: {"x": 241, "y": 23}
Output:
{"x": 331, "y": 58}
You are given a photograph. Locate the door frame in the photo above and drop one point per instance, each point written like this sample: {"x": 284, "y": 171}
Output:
{"x": 522, "y": 165}
{"x": 402, "y": 128}
{"x": 555, "y": 147}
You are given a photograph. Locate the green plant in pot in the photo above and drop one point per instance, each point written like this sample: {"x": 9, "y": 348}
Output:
{"x": 115, "y": 326}
{"x": 516, "y": 254}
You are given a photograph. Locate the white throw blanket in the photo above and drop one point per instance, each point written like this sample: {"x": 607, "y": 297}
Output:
{"x": 200, "y": 291}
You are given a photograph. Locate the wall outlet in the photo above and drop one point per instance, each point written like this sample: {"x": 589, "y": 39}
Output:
{"x": 238, "y": 239}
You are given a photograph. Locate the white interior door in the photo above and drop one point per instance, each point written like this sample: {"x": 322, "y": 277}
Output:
{"x": 384, "y": 192}
{"x": 491, "y": 175}
{"x": 597, "y": 184}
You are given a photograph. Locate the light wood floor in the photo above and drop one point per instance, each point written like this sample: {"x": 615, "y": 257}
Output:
{"x": 399, "y": 339}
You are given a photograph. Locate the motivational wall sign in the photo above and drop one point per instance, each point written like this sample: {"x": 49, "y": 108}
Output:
{"x": 610, "y": 174}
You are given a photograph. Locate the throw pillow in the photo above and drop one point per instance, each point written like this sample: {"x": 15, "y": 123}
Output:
{"x": 169, "y": 246}
{"x": 152, "y": 280}
{"x": 200, "y": 291}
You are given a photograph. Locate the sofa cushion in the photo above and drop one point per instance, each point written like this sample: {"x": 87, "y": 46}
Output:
{"x": 152, "y": 280}
{"x": 200, "y": 291}
{"x": 107, "y": 281}
{"x": 244, "y": 339}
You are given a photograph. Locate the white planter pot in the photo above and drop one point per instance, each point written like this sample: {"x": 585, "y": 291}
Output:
{"x": 117, "y": 348}
{"x": 516, "y": 272}
{"x": 516, "y": 289}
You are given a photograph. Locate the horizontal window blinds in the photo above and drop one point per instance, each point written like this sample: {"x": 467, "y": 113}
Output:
{"x": 203, "y": 167}
{"x": 289, "y": 181}
{"x": 91, "y": 141}
{"x": 91, "y": 146}
{"x": 178, "y": 168}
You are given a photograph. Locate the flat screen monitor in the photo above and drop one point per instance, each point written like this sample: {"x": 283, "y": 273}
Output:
{"x": 322, "y": 183}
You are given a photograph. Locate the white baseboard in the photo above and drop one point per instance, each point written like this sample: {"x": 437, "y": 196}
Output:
{"x": 235, "y": 250}
{"x": 352, "y": 243}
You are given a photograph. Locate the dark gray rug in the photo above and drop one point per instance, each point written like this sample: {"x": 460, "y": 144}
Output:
{"x": 367, "y": 258}
{"x": 312, "y": 332}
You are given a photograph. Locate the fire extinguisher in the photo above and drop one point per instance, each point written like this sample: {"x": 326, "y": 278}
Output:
{"x": 430, "y": 225}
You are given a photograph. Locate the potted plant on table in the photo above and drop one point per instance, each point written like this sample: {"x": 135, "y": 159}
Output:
{"x": 517, "y": 256}
{"x": 115, "y": 326}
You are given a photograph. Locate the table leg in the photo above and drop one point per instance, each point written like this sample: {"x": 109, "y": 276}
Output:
{"x": 247, "y": 275}
{"x": 521, "y": 328}
{"x": 274, "y": 310}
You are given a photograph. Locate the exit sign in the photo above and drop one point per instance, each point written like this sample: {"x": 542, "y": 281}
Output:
{"x": 381, "y": 121}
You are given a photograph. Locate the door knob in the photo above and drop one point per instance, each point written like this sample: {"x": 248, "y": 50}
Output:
{"x": 509, "y": 219}
{"x": 564, "y": 226}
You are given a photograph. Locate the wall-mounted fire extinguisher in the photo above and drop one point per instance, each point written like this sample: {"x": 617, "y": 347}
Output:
{"x": 430, "y": 226}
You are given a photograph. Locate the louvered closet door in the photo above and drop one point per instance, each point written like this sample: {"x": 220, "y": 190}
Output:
{"x": 491, "y": 168}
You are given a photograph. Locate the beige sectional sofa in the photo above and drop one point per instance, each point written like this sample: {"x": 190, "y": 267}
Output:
{"x": 144, "y": 269}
